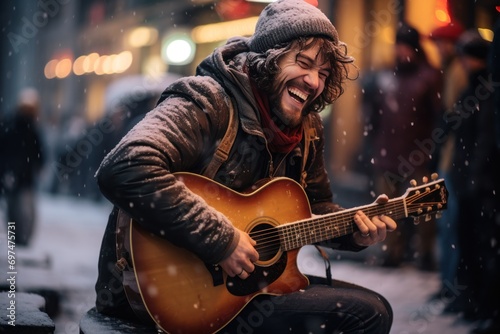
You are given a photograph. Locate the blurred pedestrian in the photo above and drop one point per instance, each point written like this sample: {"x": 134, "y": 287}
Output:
{"x": 454, "y": 82}
{"x": 22, "y": 159}
{"x": 454, "y": 75}
{"x": 476, "y": 182}
{"x": 401, "y": 115}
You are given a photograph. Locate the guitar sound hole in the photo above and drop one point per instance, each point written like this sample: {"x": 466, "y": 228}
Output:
{"x": 267, "y": 238}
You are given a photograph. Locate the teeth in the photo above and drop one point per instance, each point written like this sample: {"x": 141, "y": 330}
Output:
{"x": 298, "y": 93}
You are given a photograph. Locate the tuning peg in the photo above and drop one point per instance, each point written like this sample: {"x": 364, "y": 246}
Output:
{"x": 434, "y": 176}
{"x": 420, "y": 211}
{"x": 429, "y": 208}
{"x": 437, "y": 186}
{"x": 425, "y": 179}
{"x": 413, "y": 183}
{"x": 439, "y": 206}
{"x": 416, "y": 220}
{"x": 428, "y": 217}
{"x": 438, "y": 214}
{"x": 427, "y": 189}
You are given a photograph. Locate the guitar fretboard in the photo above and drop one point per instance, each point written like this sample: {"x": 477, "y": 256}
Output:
{"x": 313, "y": 230}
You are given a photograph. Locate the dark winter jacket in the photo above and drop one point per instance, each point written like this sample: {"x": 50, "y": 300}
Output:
{"x": 476, "y": 161}
{"x": 182, "y": 134}
{"x": 403, "y": 108}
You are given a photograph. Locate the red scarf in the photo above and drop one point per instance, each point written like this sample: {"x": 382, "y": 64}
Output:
{"x": 279, "y": 140}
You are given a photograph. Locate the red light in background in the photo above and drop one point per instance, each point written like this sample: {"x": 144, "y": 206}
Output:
{"x": 497, "y": 8}
{"x": 232, "y": 9}
{"x": 441, "y": 13}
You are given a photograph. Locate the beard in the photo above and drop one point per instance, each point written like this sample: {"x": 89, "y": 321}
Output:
{"x": 280, "y": 116}
{"x": 277, "y": 109}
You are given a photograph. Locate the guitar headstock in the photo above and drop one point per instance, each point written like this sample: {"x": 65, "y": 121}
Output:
{"x": 426, "y": 199}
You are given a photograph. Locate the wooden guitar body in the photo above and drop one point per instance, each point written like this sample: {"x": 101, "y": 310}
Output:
{"x": 178, "y": 289}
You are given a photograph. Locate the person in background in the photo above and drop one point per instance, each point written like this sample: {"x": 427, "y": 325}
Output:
{"x": 454, "y": 75}
{"x": 277, "y": 81}
{"x": 476, "y": 182}
{"x": 491, "y": 323}
{"x": 454, "y": 82}
{"x": 400, "y": 113}
{"x": 21, "y": 161}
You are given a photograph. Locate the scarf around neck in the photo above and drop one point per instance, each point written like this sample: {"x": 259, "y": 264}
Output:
{"x": 279, "y": 140}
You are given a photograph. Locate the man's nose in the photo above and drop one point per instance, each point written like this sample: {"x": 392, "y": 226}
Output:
{"x": 312, "y": 79}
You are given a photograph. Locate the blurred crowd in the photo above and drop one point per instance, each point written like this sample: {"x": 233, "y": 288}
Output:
{"x": 421, "y": 119}
{"x": 424, "y": 119}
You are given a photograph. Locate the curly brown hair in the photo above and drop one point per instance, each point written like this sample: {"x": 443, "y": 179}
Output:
{"x": 263, "y": 67}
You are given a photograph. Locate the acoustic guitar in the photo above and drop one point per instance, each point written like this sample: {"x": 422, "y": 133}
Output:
{"x": 181, "y": 294}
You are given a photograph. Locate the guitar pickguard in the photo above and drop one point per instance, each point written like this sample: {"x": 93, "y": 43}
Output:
{"x": 258, "y": 280}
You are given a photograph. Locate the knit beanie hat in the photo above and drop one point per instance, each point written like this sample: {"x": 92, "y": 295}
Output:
{"x": 285, "y": 20}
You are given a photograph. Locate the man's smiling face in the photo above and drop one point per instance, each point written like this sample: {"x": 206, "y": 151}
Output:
{"x": 301, "y": 80}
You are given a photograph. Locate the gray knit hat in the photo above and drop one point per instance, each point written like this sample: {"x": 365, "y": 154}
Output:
{"x": 285, "y": 20}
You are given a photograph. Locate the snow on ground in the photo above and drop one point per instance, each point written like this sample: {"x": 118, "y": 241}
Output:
{"x": 63, "y": 254}
{"x": 407, "y": 290}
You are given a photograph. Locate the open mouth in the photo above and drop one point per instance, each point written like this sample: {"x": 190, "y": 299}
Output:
{"x": 297, "y": 94}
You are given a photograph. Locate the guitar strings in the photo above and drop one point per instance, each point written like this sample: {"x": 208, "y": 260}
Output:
{"x": 269, "y": 239}
{"x": 323, "y": 222}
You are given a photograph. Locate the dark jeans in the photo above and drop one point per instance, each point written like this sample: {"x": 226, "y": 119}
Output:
{"x": 320, "y": 308}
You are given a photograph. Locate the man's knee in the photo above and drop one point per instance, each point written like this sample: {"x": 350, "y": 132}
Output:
{"x": 382, "y": 318}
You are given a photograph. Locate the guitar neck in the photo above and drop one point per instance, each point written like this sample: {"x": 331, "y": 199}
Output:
{"x": 321, "y": 228}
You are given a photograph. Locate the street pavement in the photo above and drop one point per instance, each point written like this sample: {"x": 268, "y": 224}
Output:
{"x": 64, "y": 253}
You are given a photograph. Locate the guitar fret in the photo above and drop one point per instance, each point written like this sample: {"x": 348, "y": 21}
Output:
{"x": 294, "y": 236}
{"x": 298, "y": 237}
{"x": 282, "y": 238}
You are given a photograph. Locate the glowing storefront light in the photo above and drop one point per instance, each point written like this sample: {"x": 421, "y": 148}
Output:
{"x": 122, "y": 62}
{"x": 441, "y": 12}
{"x": 89, "y": 62}
{"x": 486, "y": 34}
{"x": 63, "y": 68}
{"x": 178, "y": 49}
{"x": 221, "y": 31}
{"x": 98, "y": 65}
{"x": 50, "y": 69}
{"x": 92, "y": 63}
{"x": 442, "y": 16}
{"x": 78, "y": 68}
{"x": 142, "y": 36}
